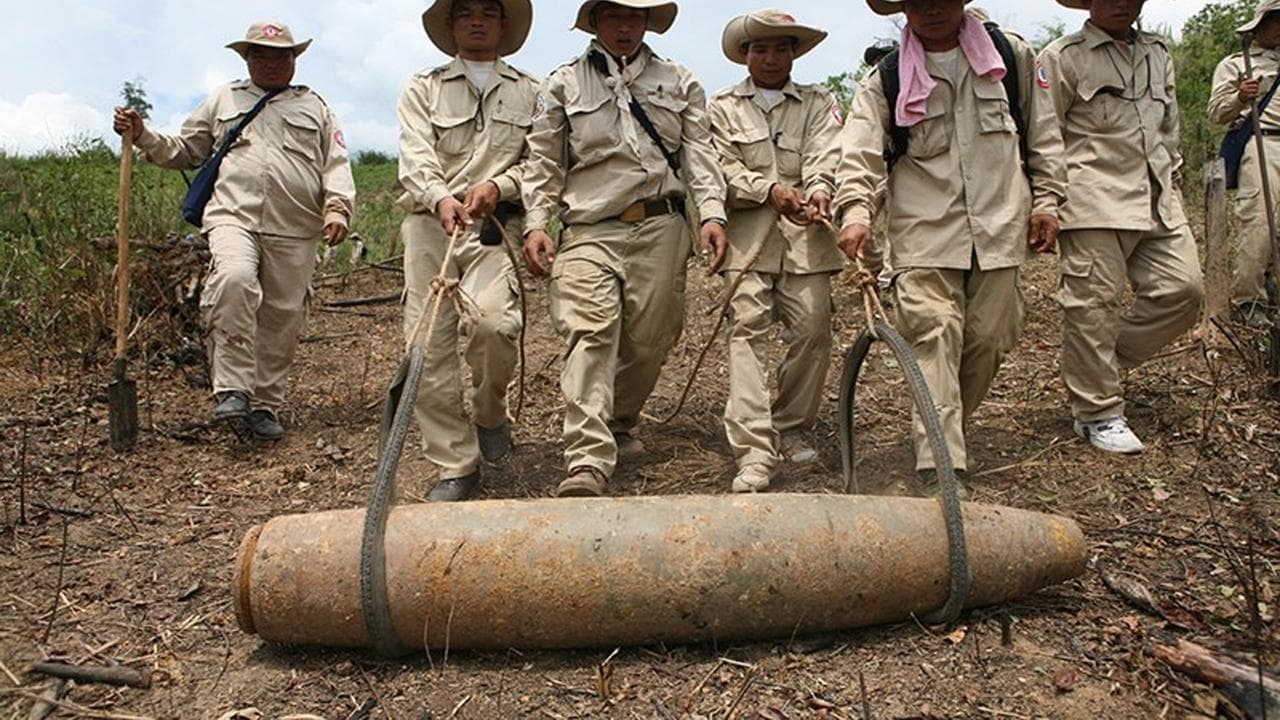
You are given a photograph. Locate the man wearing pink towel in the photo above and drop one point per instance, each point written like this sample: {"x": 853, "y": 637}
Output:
{"x": 975, "y": 171}
{"x": 1122, "y": 223}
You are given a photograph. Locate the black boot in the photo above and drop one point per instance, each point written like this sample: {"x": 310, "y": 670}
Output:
{"x": 455, "y": 489}
{"x": 232, "y": 405}
{"x": 264, "y": 425}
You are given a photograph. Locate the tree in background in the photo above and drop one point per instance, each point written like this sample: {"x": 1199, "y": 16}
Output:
{"x": 842, "y": 87}
{"x": 135, "y": 96}
{"x": 1207, "y": 38}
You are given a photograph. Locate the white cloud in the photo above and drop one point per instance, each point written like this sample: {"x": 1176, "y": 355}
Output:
{"x": 44, "y": 121}
{"x": 215, "y": 78}
{"x": 363, "y": 54}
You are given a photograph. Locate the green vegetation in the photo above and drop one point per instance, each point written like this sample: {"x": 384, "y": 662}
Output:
{"x": 57, "y": 221}
{"x": 1207, "y": 37}
{"x": 58, "y": 209}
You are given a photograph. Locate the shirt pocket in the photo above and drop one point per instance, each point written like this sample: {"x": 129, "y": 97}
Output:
{"x": 1099, "y": 107}
{"x": 931, "y": 136}
{"x": 755, "y": 149}
{"x": 302, "y": 136}
{"x": 789, "y": 156}
{"x": 993, "y": 107}
{"x": 592, "y": 129}
{"x": 667, "y": 113}
{"x": 510, "y": 127}
{"x": 224, "y": 123}
{"x": 453, "y": 134}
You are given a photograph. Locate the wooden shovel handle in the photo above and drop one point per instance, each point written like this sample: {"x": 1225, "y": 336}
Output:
{"x": 122, "y": 245}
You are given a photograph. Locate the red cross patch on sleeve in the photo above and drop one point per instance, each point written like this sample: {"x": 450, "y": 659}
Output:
{"x": 835, "y": 113}
{"x": 339, "y": 138}
{"x": 1042, "y": 76}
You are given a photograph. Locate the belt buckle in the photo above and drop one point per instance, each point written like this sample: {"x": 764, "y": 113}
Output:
{"x": 633, "y": 214}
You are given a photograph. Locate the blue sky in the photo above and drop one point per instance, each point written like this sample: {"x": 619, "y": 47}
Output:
{"x": 64, "y": 62}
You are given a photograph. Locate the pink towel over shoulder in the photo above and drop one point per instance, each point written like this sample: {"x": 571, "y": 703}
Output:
{"x": 914, "y": 82}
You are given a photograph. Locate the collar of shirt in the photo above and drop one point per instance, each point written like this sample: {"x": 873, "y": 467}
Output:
{"x": 748, "y": 88}
{"x": 635, "y": 64}
{"x": 458, "y": 69}
{"x": 1096, "y": 36}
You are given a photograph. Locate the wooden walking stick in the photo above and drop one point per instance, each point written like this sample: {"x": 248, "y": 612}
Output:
{"x": 122, "y": 393}
{"x": 1273, "y": 352}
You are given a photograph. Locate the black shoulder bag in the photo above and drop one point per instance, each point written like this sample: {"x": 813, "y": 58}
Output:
{"x": 201, "y": 188}
{"x": 1237, "y": 139}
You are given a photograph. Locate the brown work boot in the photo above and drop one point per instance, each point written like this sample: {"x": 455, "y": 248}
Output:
{"x": 583, "y": 481}
{"x": 629, "y": 446}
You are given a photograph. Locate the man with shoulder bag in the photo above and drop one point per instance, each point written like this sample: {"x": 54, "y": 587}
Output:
{"x": 282, "y": 182}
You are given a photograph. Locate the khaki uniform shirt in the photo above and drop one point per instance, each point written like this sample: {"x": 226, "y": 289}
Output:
{"x": 452, "y": 138}
{"x": 287, "y": 173}
{"x": 792, "y": 143}
{"x": 959, "y": 190}
{"x": 1119, "y": 113}
{"x": 1225, "y": 107}
{"x": 584, "y": 125}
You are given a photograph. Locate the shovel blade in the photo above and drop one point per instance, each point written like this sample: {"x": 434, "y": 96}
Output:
{"x": 122, "y": 399}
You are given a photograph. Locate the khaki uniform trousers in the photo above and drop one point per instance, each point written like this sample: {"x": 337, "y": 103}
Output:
{"x": 617, "y": 297}
{"x": 254, "y": 306}
{"x": 489, "y": 331}
{"x": 1253, "y": 253}
{"x": 803, "y": 304}
{"x": 1099, "y": 336}
{"x": 960, "y": 325}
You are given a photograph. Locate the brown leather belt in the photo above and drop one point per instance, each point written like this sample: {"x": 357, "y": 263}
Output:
{"x": 652, "y": 208}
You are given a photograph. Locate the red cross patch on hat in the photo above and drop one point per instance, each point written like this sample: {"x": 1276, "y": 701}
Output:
{"x": 272, "y": 31}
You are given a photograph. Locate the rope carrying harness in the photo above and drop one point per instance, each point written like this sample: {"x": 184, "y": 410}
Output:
{"x": 398, "y": 414}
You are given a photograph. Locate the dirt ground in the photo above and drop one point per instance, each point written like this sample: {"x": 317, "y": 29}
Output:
{"x": 127, "y": 558}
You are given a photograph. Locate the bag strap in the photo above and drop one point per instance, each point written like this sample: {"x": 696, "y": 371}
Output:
{"x": 1012, "y": 88}
{"x": 597, "y": 61}
{"x": 234, "y": 133}
{"x": 1266, "y": 99}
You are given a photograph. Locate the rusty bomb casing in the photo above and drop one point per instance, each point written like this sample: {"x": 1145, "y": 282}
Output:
{"x": 570, "y": 573}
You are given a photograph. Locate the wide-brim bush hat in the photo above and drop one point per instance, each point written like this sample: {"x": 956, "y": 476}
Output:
{"x": 662, "y": 15}
{"x": 1264, "y": 7}
{"x": 439, "y": 26}
{"x": 893, "y": 7}
{"x": 766, "y": 24}
{"x": 268, "y": 34}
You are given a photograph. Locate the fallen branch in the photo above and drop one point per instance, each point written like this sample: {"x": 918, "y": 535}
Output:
{"x": 326, "y": 338}
{"x": 1238, "y": 683}
{"x": 119, "y": 676}
{"x": 362, "y": 301}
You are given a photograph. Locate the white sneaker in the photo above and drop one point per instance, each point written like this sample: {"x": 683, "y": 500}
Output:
{"x": 752, "y": 479}
{"x": 1111, "y": 435}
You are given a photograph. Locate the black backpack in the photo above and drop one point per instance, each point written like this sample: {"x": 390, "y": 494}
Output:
{"x": 889, "y": 80}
